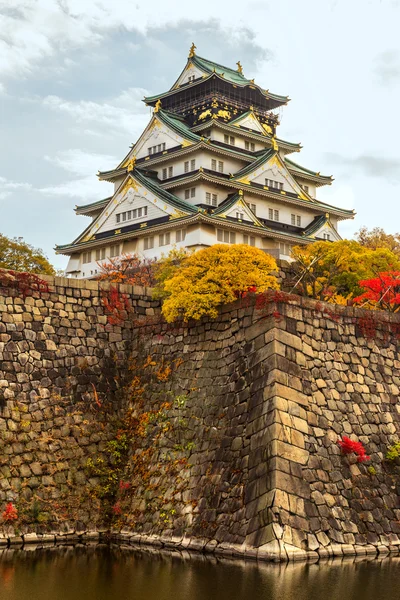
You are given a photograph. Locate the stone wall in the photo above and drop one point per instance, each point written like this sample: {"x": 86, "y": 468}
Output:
{"x": 257, "y": 400}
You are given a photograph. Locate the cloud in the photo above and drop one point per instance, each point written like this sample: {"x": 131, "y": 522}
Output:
{"x": 7, "y": 187}
{"x": 125, "y": 113}
{"x": 78, "y": 162}
{"x": 372, "y": 166}
{"x": 387, "y": 67}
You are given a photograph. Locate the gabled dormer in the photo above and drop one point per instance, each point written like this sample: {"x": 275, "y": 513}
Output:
{"x": 270, "y": 171}
{"x": 250, "y": 121}
{"x": 138, "y": 200}
{"x": 322, "y": 229}
{"x": 235, "y": 207}
{"x": 164, "y": 131}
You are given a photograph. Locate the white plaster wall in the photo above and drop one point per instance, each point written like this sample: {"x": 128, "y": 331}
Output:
{"x": 218, "y": 135}
{"x": 158, "y": 135}
{"x": 130, "y": 201}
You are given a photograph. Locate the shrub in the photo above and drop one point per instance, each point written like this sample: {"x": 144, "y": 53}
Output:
{"x": 382, "y": 292}
{"x": 10, "y": 514}
{"x": 214, "y": 276}
{"x": 348, "y": 446}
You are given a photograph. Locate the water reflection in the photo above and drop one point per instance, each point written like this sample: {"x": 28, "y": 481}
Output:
{"x": 104, "y": 573}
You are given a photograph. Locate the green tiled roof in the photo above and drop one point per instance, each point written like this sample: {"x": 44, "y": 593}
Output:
{"x": 93, "y": 205}
{"x": 316, "y": 224}
{"x": 264, "y": 157}
{"x": 177, "y": 123}
{"x": 296, "y": 167}
{"x": 226, "y": 74}
{"x": 152, "y": 185}
{"x": 208, "y": 66}
{"x": 227, "y": 204}
{"x": 240, "y": 117}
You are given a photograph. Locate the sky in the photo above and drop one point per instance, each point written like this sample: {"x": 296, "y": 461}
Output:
{"x": 73, "y": 74}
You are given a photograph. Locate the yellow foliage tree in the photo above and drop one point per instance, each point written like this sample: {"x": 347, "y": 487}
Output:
{"x": 215, "y": 276}
{"x": 331, "y": 271}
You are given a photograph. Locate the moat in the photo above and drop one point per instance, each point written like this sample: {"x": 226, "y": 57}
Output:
{"x": 104, "y": 572}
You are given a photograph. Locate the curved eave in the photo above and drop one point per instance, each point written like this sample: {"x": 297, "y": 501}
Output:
{"x": 289, "y": 147}
{"x": 313, "y": 176}
{"x": 88, "y": 209}
{"x": 182, "y": 151}
{"x": 278, "y": 100}
{"x": 68, "y": 249}
{"x": 317, "y": 180}
{"x": 314, "y": 204}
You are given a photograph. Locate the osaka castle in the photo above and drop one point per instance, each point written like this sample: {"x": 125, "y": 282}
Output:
{"x": 209, "y": 168}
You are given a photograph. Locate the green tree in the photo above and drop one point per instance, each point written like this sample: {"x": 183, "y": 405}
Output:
{"x": 331, "y": 271}
{"x": 378, "y": 238}
{"x": 17, "y": 255}
{"x": 214, "y": 276}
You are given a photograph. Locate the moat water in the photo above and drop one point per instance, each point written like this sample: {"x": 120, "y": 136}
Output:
{"x": 112, "y": 573}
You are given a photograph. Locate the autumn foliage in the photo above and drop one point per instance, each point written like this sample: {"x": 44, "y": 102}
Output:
{"x": 214, "y": 276}
{"x": 130, "y": 269}
{"x": 10, "y": 514}
{"x": 382, "y": 292}
{"x": 348, "y": 446}
{"x": 332, "y": 271}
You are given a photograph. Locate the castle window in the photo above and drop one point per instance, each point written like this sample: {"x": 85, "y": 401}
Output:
{"x": 229, "y": 139}
{"x": 250, "y": 240}
{"x": 192, "y": 164}
{"x": 228, "y": 237}
{"x": 180, "y": 235}
{"x": 100, "y": 254}
{"x": 191, "y": 77}
{"x": 276, "y": 215}
{"x": 240, "y": 215}
{"x": 158, "y": 148}
{"x": 170, "y": 171}
{"x": 164, "y": 239}
{"x": 305, "y": 188}
{"x": 132, "y": 214}
{"x": 87, "y": 257}
{"x": 148, "y": 243}
{"x": 327, "y": 236}
{"x": 275, "y": 185}
{"x": 298, "y": 221}
{"x": 220, "y": 166}
{"x": 250, "y": 146}
{"x": 190, "y": 193}
{"x": 211, "y": 199}
{"x": 213, "y": 164}
{"x": 114, "y": 251}
{"x": 164, "y": 173}
{"x": 285, "y": 248}
{"x": 252, "y": 207}
{"x": 186, "y": 166}
{"x": 118, "y": 218}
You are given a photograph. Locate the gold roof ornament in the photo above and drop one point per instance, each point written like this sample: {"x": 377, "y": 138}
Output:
{"x": 192, "y": 50}
{"x": 274, "y": 144}
{"x": 239, "y": 67}
{"x": 157, "y": 106}
{"x": 131, "y": 164}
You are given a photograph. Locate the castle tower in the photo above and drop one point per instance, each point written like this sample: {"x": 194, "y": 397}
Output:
{"x": 209, "y": 168}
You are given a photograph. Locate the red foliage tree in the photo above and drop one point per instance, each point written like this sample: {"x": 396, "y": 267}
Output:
{"x": 130, "y": 269}
{"x": 381, "y": 292}
{"x": 348, "y": 446}
{"x": 116, "y": 306}
{"x": 10, "y": 514}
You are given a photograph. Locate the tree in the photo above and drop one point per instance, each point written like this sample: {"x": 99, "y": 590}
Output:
{"x": 382, "y": 292}
{"x": 331, "y": 271}
{"x": 130, "y": 269}
{"x": 378, "y": 238}
{"x": 214, "y": 276}
{"x": 17, "y": 255}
